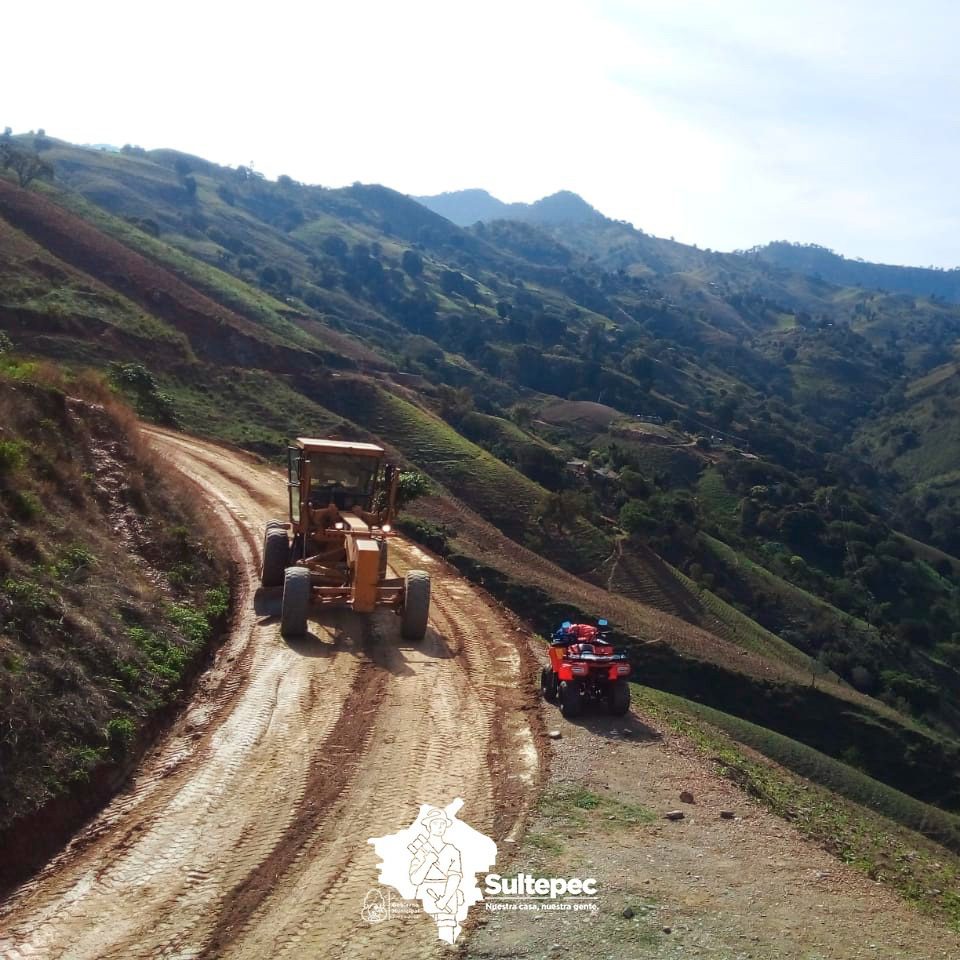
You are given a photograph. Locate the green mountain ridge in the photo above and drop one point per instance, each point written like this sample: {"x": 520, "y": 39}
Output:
{"x": 815, "y": 260}
{"x": 618, "y": 244}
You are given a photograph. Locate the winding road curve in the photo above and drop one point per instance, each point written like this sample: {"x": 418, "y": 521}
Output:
{"x": 244, "y": 832}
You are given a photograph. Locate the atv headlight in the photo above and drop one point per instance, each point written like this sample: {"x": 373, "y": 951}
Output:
{"x": 623, "y": 669}
{"x": 386, "y": 528}
{"x": 579, "y": 669}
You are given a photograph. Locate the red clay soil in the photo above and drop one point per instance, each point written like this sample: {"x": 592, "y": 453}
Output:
{"x": 215, "y": 332}
{"x": 581, "y": 413}
{"x": 30, "y": 265}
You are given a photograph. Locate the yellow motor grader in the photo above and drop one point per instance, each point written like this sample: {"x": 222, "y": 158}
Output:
{"x": 333, "y": 549}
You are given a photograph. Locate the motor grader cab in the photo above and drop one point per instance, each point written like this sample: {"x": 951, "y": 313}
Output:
{"x": 333, "y": 549}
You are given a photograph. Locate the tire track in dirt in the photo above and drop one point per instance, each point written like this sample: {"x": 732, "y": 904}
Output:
{"x": 169, "y": 858}
{"x": 325, "y": 781}
{"x": 436, "y": 732}
{"x": 245, "y": 833}
{"x": 338, "y": 866}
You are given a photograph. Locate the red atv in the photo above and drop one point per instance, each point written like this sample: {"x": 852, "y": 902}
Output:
{"x": 584, "y": 668}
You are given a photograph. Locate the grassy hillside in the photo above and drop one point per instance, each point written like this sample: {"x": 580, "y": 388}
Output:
{"x": 508, "y": 499}
{"x": 41, "y": 289}
{"x": 109, "y": 596}
{"x": 728, "y": 669}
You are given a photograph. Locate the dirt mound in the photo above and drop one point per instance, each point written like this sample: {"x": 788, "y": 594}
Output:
{"x": 583, "y": 414}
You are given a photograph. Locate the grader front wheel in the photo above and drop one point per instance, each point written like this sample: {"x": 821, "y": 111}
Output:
{"x": 276, "y": 554}
{"x": 296, "y": 602}
{"x": 416, "y": 606}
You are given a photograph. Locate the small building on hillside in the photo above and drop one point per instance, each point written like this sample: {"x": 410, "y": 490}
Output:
{"x": 607, "y": 473}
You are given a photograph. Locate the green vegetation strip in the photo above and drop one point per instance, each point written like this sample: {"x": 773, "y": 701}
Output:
{"x": 574, "y": 807}
{"x": 788, "y": 591}
{"x": 717, "y": 502}
{"x": 574, "y": 811}
{"x": 745, "y": 632}
{"x": 255, "y": 409}
{"x": 24, "y": 286}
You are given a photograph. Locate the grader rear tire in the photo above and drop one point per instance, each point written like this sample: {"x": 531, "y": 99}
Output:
{"x": 296, "y": 602}
{"x": 416, "y": 606}
{"x": 276, "y": 555}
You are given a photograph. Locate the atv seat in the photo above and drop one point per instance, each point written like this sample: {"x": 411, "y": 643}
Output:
{"x": 593, "y": 651}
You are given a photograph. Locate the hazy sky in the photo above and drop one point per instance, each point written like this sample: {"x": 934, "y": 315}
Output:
{"x": 721, "y": 122}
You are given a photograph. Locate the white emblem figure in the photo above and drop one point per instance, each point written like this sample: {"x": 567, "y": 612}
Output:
{"x": 436, "y": 861}
{"x": 437, "y": 871}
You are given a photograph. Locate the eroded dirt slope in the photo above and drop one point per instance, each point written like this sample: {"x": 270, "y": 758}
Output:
{"x": 244, "y": 834}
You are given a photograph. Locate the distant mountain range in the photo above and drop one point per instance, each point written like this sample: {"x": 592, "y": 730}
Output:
{"x": 816, "y": 261}
{"x": 467, "y": 207}
{"x": 615, "y": 244}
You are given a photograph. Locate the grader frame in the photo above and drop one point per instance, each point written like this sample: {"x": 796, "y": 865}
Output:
{"x": 333, "y": 549}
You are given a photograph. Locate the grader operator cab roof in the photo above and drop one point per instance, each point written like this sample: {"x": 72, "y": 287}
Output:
{"x": 340, "y": 446}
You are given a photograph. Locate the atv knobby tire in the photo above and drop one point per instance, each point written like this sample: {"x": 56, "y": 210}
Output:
{"x": 296, "y": 602}
{"x": 382, "y": 544}
{"x": 548, "y": 685}
{"x": 275, "y": 523}
{"x": 416, "y": 606}
{"x": 618, "y": 699}
{"x": 571, "y": 698}
{"x": 276, "y": 554}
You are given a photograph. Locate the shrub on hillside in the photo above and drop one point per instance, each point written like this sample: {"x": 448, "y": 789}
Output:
{"x": 134, "y": 380}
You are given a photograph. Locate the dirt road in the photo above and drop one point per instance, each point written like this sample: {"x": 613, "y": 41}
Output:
{"x": 244, "y": 834}
{"x": 747, "y": 888}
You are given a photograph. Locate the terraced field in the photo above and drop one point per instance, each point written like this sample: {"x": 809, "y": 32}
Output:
{"x": 510, "y": 501}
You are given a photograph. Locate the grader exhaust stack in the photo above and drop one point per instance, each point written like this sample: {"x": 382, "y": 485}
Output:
{"x": 342, "y": 500}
